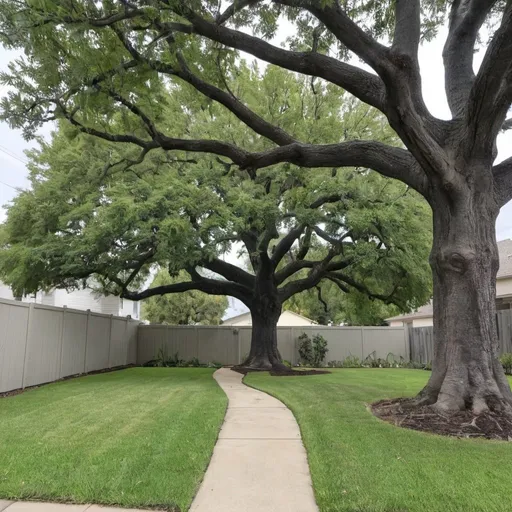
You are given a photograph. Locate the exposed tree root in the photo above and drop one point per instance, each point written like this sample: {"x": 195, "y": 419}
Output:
{"x": 412, "y": 413}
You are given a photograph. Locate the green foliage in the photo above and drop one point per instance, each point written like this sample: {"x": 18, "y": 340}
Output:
{"x": 312, "y": 352}
{"x": 372, "y": 361}
{"x": 164, "y": 361}
{"x": 87, "y": 220}
{"x": 506, "y": 361}
{"x": 305, "y": 349}
{"x": 351, "y": 362}
{"x": 287, "y": 363}
{"x": 187, "y": 308}
{"x": 319, "y": 350}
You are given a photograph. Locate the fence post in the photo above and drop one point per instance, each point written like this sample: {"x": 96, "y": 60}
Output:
{"x": 86, "y": 339}
{"x": 407, "y": 341}
{"x": 110, "y": 341}
{"x": 126, "y": 340}
{"x": 61, "y": 342}
{"x": 362, "y": 343}
{"x": 29, "y": 326}
{"x": 196, "y": 334}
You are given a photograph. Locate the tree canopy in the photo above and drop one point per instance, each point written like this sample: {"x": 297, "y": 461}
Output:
{"x": 86, "y": 215}
{"x": 187, "y": 308}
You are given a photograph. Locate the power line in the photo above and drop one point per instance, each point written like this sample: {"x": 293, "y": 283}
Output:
{"x": 12, "y": 155}
{"x": 7, "y": 185}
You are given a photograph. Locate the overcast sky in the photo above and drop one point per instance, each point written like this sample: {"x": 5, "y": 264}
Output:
{"x": 12, "y": 145}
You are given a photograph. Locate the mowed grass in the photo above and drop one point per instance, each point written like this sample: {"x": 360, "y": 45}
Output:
{"x": 139, "y": 437}
{"x": 359, "y": 463}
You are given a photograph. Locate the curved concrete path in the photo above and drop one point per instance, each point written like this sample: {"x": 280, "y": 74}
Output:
{"x": 259, "y": 463}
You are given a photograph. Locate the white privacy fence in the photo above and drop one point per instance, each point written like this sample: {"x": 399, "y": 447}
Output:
{"x": 40, "y": 344}
{"x": 229, "y": 345}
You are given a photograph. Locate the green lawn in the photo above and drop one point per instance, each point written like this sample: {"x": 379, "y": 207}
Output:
{"x": 138, "y": 437}
{"x": 359, "y": 463}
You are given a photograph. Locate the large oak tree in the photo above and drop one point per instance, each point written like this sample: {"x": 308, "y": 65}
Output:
{"x": 79, "y": 51}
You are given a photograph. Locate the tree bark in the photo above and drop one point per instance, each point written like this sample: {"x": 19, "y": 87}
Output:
{"x": 266, "y": 308}
{"x": 467, "y": 374}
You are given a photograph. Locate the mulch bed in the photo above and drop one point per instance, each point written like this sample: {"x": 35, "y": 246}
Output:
{"x": 280, "y": 373}
{"x": 464, "y": 424}
{"x": 15, "y": 392}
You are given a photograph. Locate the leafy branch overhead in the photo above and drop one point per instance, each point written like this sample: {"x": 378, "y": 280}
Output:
{"x": 91, "y": 59}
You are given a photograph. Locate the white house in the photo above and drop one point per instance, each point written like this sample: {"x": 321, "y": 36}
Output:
{"x": 423, "y": 317}
{"x": 287, "y": 319}
{"x": 80, "y": 299}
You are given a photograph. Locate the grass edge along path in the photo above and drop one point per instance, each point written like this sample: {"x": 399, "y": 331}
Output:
{"x": 141, "y": 438}
{"x": 359, "y": 463}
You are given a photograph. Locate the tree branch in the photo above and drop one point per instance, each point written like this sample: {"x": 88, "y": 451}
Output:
{"x": 387, "y": 160}
{"x": 233, "y": 104}
{"x": 507, "y": 125}
{"x": 466, "y": 19}
{"x": 235, "y": 7}
{"x": 491, "y": 94}
{"x": 503, "y": 181}
{"x": 202, "y": 284}
{"x": 387, "y": 299}
{"x": 230, "y": 272}
{"x": 407, "y": 28}
{"x": 286, "y": 243}
{"x": 293, "y": 268}
{"x": 245, "y": 114}
{"x": 366, "y": 86}
{"x": 346, "y": 31}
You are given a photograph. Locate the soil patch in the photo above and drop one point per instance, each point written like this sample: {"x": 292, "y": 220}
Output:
{"x": 464, "y": 424}
{"x": 280, "y": 373}
{"x": 15, "y": 392}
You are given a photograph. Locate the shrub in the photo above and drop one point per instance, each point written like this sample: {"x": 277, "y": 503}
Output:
{"x": 319, "y": 350}
{"x": 506, "y": 361}
{"x": 372, "y": 361}
{"x": 335, "y": 364}
{"x": 414, "y": 365}
{"x": 287, "y": 363}
{"x": 305, "y": 349}
{"x": 351, "y": 362}
{"x": 194, "y": 362}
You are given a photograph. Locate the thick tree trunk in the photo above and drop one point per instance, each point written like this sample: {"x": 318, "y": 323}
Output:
{"x": 466, "y": 372}
{"x": 265, "y": 312}
{"x": 264, "y": 353}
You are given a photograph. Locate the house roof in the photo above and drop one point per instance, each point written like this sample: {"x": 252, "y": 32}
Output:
{"x": 505, "y": 271}
{"x": 425, "y": 311}
{"x": 248, "y": 313}
{"x": 505, "y": 252}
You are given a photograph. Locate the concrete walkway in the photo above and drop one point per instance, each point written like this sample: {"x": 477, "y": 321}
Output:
{"x": 259, "y": 463}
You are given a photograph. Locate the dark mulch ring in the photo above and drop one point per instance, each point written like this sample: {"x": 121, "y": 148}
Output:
{"x": 463, "y": 424}
{"x": 280, "y": 373}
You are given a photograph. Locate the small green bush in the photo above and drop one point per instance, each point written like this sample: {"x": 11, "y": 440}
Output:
{"x": 305, "y": 350}
{"x": 287, "y": 363}
{"x": 319, "y": 350}
{"x": 351, "y": 362}
{"x": 506, "y": 361}
{"x": 372, "y": 361}
{"x": 335, "y": 364}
